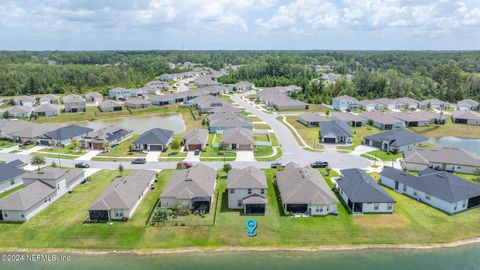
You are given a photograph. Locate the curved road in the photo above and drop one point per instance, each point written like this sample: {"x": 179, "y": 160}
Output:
{"x": 291, "y": 151}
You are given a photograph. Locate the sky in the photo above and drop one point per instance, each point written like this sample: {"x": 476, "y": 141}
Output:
{"x": 240, "y": 24}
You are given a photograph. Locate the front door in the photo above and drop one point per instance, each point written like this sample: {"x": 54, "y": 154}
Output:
{"x": 234, "y": 146}
{"x": 1, "y": 215}
{"x": 396, "y": 185}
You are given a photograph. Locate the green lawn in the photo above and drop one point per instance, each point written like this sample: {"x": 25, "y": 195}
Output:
{"x": 123, "y": 149}
{"x": 385, "y": 156}
{"x": 449, "y": 129}
{"x": 175, "y": 153}
{"x": 214, "y": 151}
{"x": 309, "y": 134}
{"x": 358, "y": 134}
{"x": 261, "y": 126}
{"x": 53, "y": 155}
{"x": 412, "y": 222}
{"x": 68, "y": 149}
{"x": 272, "y": 158}
{"x": 6, "y": 144}
{"x": 273, "y": 138}
{"x": 261, "y": 151}
{"x": 10, "y": 191}
{"x": 261, "y": 137}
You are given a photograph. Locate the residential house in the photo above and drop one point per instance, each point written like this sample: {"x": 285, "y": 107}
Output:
{"x": 350, "y": 119}
{"x": 122, "y": 197}
{"x": 303, "y": 191}
{"x": 166, "y": 77}
{"x": 398, "y": 140}
{"x": 466, "y": 117}
{"x": 10, "y": 175}
{"x": 336, "y": 132}
{"x": 279, "y": 98}
{"x": 46, "y": 110}
{"x": 242, "y": 86}
{"x": 441, "y": 190}
{"x": 441, "y": 158}
{"x": 467, "y": 105}
{"x": 119, "y": 93}
{"x": 247, "y": 190}
{"x": 30, "y": 131}
{"x": 49, "y": 99}
{"x": 434, "y": 104}
{"x": 192, "y": 188}
{"x": 344, "y": 103}
{"x": 195, "y": 139}
{"x": 220, "y": 122}
{"x": 419, "y": 118}
{"x": 162, "y": 100}
{"x": 408, "y": 103}
{"x": 362, "y": 194}
{"x": 311, "y": 119}
{"x": 19, "y": 111}
{"x": 94, "y": 97}
{"x": 42, "y": 188}
{"x": 74, "y": 103}
{"x": 155, "y": 139}
{"x": 28, "y": 101}
{"x": 109, "y": 135}
{"x": 109, "y": 106}
{"x": 238, "y": 138}
{"x": 383, "y": 121}
{"x": 369, "y": 105}
{"x": 138, "y": 103}
{"x": 64, "y": 135}
{"x": 388, "y": 103}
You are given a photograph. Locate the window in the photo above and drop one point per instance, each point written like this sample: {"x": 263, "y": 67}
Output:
{"x": 118, "y": 213}
{"x": 427, "y": 197}
{"x": 22, "y": 215}
{"x": 464, "y": 204}
{"x": 232, "y": 191}
{"x": 376, "y": 206}
{"x": 262, "y": 191}
{"x": 249, "y": 191}
{"x": 389, "y": 206}
{"x": 5, "y": 213}
{"x": 404, "y": 188}
{"x": 239, "y": 202}
{"x": 12, "y": 182}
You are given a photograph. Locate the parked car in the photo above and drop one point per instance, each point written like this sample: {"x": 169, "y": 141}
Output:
{"x": 139, "y": 161}
{"x": 82, "y": 165}
{"x": 197, "y": 152}
{"x": 184, "y": 165}
{"x": 277, "y": 165}
{"x": 24, "y": 144}
{"x": 319, "y": 164}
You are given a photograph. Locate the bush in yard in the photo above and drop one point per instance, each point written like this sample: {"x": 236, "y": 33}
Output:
{"x": 227, "y": 167}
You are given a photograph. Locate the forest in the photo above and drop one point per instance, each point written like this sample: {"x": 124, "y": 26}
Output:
{"x": 449, "y": 75}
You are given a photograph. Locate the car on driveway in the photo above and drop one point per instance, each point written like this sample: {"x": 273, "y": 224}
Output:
{"x": 184, "y": 165}
{"x": 197, "y": 152}
{"x": 319, "y": 164}
{"x": 24, "y": 144}
{"x": 139, "y": 161}
{"x": 277, "y": 165}
{"x": 82, "y": 165}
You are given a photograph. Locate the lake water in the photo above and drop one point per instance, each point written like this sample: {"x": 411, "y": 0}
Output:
{"x": 461, "y": 258}
{"x": 471, "y": 145}
{"x": 143, "y": 123}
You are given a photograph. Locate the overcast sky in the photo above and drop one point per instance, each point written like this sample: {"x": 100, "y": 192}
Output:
{"x": 239, "y": 24}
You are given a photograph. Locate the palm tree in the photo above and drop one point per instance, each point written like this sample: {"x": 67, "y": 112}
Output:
{"x": 75, "y": 144}
{"x": 120, "y": 169}
{"x": 106, "y": 146}
{"x": 38, "y": 160}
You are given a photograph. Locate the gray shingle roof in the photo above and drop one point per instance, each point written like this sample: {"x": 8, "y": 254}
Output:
{"x": 124, "y": 193}
{"x": 198, "y": 181}
{"x": 470, "y": 115}
{"x": 46, "y": 173}
{"x": 398, "y": 137}
{"x": 447, "y": 155}
{"x": 249, "y": 177}
{"x": 19, "y": 109}
{"x": 155, "y": 136}
{"x": 68, "y": 132}
{"x": 10, "y": 170}
{"x": 73, "y": 98}
{"x": 335, "y": 128}
{"x": 27, "y": 197}
{"x": 347, "y": 117}
{"x": 380, "y": 117}
{"x": 254, "y": 199}
{"x": 238, "y": 135}
{"x": 312, "y": 117}
{"x": 47, "y": 107}
{"x": 196, "y": 136}
{"x": 443, "y": 185}
{"x": 303, "y": 185}
{"x": 360, "y": 187}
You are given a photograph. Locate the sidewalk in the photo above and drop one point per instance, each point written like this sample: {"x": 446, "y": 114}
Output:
{"x": 89, "y": 155}
{"x": 191, "y": 156}
{"x": 31, "y": 150}
{"x": 152, "y": 156}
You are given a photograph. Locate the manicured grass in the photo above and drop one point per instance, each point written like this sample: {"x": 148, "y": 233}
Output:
{"x": 112, "y": 159}
{"x": 469, "y": 177}
{"x": 175, "y": 153}
{"x": 449, "y": 129}
{"x": 261, "y": 137}
{"x": 220, "y": 158}
{"x": 53, "y": 155}
{"x": 358, "y": 134}
{"x": 123, "y": 149}
{"x": 15, "y": 151}
{"x": 273, "y": 138}
{"x": 68, "y": 149}
{"x": 272, "y": 158}
{"x": 309, "y": 134}
{"x": 261, "y": 151}
{"x": 10, "y": 191}
{"x": 218, "y": 138}
{"x": 255, "y": 119}
{"x": 61, "y": 224}
{"x": 6, "y": 144}
{"x": 385, "y": 156}
{"x": 261, "y": 126}
{"x": 311, "y": 108}
{"x": 214, "y": 151}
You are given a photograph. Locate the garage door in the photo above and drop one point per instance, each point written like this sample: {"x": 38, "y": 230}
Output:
{"x": 329, "y": 140}
{"x": 244, "y": 147}
{"x": 43, "y": 142}
{"x": 193, "y": 147}
{"x": 156, "y": 147}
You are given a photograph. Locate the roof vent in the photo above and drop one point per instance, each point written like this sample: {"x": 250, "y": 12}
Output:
{"x": 188, "y": 179}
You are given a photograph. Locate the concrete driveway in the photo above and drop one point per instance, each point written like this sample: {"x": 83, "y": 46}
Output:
{"x": 192, "y": 157}
{"x": 245, "y": 156}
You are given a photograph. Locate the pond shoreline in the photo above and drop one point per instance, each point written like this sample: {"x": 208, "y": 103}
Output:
{"x": 227, "y": 249}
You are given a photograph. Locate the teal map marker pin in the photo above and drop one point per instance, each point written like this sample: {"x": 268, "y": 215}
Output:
{"x": 251, "y": 226}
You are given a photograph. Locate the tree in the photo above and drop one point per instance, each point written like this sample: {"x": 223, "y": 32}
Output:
{"x": 53, "y": 165}
{"x": 6, "y": 115}
{"x": 106, "y": 147}
{"x": 75, "y": 144}
{"x": 476, "y": 172}
{"x": 227, "y": 167}
{"x": 327, "y": 113}
{"x": 120, "y": 169}
{"x": 175, "y": 145}
{"x": 38, "y": 161}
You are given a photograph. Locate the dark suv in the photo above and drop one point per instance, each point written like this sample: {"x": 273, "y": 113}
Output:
{"x": 139, "y": 161}
{"x": 319, "y": 164}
